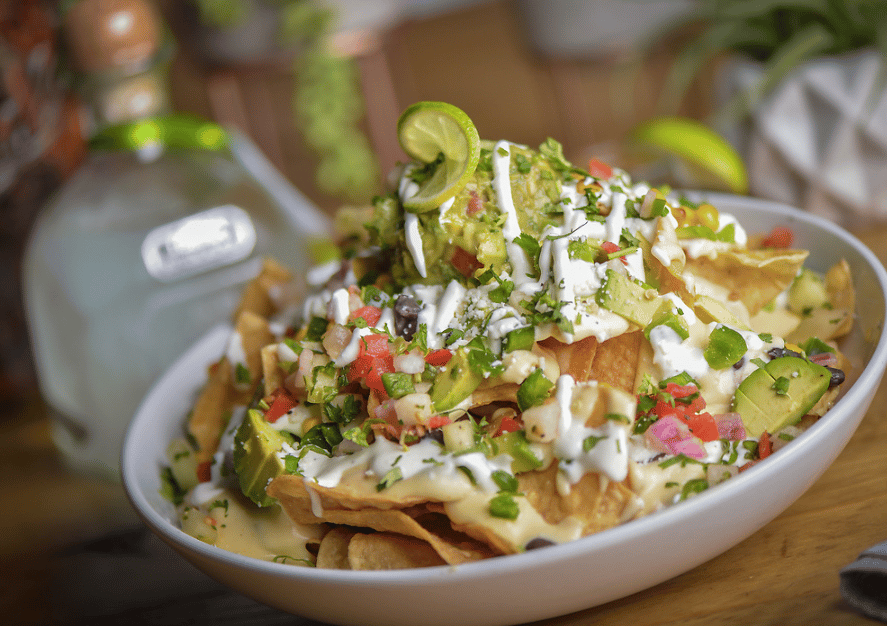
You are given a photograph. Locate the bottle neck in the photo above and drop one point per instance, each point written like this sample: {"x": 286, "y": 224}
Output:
{"x": 150, "y": 137}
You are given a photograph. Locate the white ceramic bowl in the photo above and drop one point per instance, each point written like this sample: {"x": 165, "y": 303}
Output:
{"x": 559, "y": 579}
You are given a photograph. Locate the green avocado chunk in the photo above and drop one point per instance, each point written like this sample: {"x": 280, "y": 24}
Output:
{"x": 515, "y": 443}
{"x": 623, "y": 296}
{"x": 455, "y": 382}
{"x": 255, "y": 460}
{"x": 779, "y": 394}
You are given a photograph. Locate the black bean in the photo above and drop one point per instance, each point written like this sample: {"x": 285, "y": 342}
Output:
{"x": 406, "y": 316}
{"x": 775, "y": 353}
{"x": 738, "y": 365}
{"x": 538, "y": 542}
{"x": 436, "y": 434}
{"x": 837, "y": 377}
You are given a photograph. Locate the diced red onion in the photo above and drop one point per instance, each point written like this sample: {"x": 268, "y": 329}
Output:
{"x": 730, "y": 426}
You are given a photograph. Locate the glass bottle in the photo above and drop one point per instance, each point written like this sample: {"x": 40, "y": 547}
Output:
{"x": 142, "y": 251}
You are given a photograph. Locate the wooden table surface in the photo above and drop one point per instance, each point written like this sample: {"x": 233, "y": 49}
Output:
{"x": 55, "y": 546}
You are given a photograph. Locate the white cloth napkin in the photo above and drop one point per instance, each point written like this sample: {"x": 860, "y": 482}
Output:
{"x": 864, "y": 582}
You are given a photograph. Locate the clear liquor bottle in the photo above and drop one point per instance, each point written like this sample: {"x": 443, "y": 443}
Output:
{"x": 146, "y": 248}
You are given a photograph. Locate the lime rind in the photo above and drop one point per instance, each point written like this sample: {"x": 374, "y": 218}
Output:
{"x": 698, "y": 146}
{"x": 428, "y": 129}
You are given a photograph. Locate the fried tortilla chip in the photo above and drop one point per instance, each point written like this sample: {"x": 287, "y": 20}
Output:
{"x": 385, "y": 551}
{"x": 504, "y": 392}
{"x": 616, "y": 360}
{"x": 272, "y": 373}
{"x": 753, "y": 277}
{"x": 597, "y": 503}
{"x": 254, "y": 333}
{"x": 258, "y": 295}
{"x": 411, "y": 521}
{"x": 208, "y": 418}
{"x": 574, "y": 358}
{"x": 835, "y": 320}
{"x": 333, "y": 550}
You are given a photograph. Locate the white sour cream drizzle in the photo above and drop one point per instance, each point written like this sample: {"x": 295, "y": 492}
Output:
{"x": 511, "y": 229}
{"x": 609, "y": 450}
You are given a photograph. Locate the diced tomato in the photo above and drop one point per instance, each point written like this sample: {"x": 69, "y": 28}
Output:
{"x": 508, "y": 425}
{"x": 599, "y": 169}
{"x": 438, "y": 357}
{"x": 373, "y": 378}
{"x": 680, "y": 391}
{"x": 281, "y": 405}
{"x": 465, "y": 262}
{"x": 373, "y": 346}
{"x": 475, "y": 204}
{"x": 609, "y": 247}
{"x": 765, "y": 445}
{"x": 204, "y": 473}
{"x": 704, "y": 426}
{"x": 436, "y": 421}
{"x": 370, "y": 314}
{"x": 779, "y": 237}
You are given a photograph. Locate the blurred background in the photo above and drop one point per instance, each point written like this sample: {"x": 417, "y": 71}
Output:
{"x": 777, "y": 99}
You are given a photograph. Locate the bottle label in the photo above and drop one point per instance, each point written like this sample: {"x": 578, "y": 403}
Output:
{"x": 213, "y": 238}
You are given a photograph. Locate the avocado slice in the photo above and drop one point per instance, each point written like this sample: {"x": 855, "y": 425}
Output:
{"x": 516, "y": 444}
{"x": 807, "y": 292}
{"x": 623, "y": 296}
{"x": 779, "y": 394}
{"x": 256, "y": 444}
{"x": 709, "y": 310}
{"x": 455, "y": 382}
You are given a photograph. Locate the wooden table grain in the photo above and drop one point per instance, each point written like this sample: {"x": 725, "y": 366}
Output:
{"x": 785, "y": 574}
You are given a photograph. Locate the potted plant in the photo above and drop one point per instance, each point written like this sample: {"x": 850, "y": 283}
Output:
{"x": 327, "y": 102}
{"x": 802, "y": 97}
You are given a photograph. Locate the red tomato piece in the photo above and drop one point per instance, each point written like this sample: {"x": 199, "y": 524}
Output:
{"x": 779, "y": 237}
{"x": 438, "y": 357}
{"x": 281, "y": 405}
{"x": 680, "y": 391}
{"x": 599, "y": 169}
{"x": 508, "y": 425}
{"x": 373, "y": 378}
{"x": 370, "y": 314}
{"x": 609, "y": 247}
{"x": 436, "y": 421}
{"x": 704, "y": 426}
{"x": 373, "y": 346}
{"x": 204, "y": 473}
{"x": 465, "y": 262}
{"x": 765, "y": 445}
{"x": 475, "y": 204}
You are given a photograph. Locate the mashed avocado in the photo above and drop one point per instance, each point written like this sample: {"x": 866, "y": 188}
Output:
{"x": 464, "y": 237}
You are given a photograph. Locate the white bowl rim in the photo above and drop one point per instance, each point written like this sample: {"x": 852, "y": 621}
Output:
{"x": 757, "y": 476}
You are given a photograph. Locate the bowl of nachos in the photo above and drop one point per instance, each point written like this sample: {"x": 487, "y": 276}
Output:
{"x": 513, "y": 371}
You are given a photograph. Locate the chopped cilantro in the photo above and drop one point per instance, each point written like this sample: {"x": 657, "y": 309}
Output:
{"x": 504, "y": 506}
{"x": 242, "y": 375}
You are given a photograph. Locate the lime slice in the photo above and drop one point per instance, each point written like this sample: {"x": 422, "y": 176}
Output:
{"x": 711, "y": 160}
{"x": 425, "y": 131}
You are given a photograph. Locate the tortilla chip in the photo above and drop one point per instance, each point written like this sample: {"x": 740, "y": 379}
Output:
{"x": 257, "y": 297}
{"x": 597, "y": 503}
{"x": 669, "y": 276}
{"x": 384, "y": 551}
{"x": 836, "y": 320}
{"x": 208, "y": 419}
{"x": 255, "y": 333}
{"x": 574, "y": 358}
{"x": 339, "y": 507}
{"x": 616, "y": 360}
{"x": 272, "y": 373}
{"x": 333, "y": 550}
{"x": 753, "y": 277}
{"x": 504, "y": 392}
